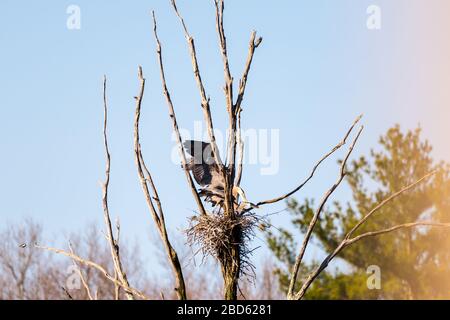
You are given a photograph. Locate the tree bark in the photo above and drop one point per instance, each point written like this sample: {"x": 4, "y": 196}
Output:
{"x": 231, "y": 268}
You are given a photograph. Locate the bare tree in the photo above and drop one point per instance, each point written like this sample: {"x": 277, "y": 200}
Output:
{"x": 118, "y": 277}
{"x": 157, "y": 214}
{"x": 229, "y": 248}
{"x": 233, "y": 227}
{"x": 26, "y": 273}
{"x": 225, "y": 233}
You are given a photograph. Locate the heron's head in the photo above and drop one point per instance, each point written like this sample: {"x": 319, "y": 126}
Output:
{"x": 237, "y": 191}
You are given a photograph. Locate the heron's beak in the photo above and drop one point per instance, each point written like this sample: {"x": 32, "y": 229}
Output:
{"x": 241, "y": 193}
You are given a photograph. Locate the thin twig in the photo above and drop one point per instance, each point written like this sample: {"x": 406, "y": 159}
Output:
{"x": 228, "y": 197}
{"x": 393, "y": 196}
{"x": 114, "y": 245}
{"x": 201, "y": 87}
{"x": 174, "y": 120}
{"x": 67, "y": 293}
{"x": 116, "y": 287}
{"x": 335, "y": 148}
{"x": 394, "y": 228}
{"x": 228, "y": 87}
{"x": 146, "y": 180}
{"x": 80, "y": 273}
{"x": 241, "y": 149}
{"x": 253, "y": 44}
{"x": 347, "y": 240}
{"x": 96, "y": 266}
{"x": 223, "y": 49}
{"x": 319, "y": 210}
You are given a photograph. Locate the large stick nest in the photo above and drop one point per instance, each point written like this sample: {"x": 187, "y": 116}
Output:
{"x": 216, "y": 234}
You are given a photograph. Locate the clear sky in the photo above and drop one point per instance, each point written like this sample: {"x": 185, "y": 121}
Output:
{"x": 319, "y": 66}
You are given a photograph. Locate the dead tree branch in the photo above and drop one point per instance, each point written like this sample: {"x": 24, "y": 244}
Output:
{"x": 390, "y": 198}
{"x": 335, "y": 148}
{"x": 231, "y": 265}
{"x": 237, "y": 109}
{"x": 120, "y": 278}
{"x": 204, "y": 99}
{"x": 228, "y": 197}
{"x": 113, "y": 243}
{"x": 97, "y": 266}
{"x": 80, "y": 273}
{"x": 241, "y": 150}
{"x": 394, "y": 228}
{"x": 319, "y": 210}
{"x": 233, "y": 108}
{"x": 67, "y": 293}
{"x": 228, "y": 89}
{"x": 348, "y": 240}
{"x": 157, "y": 214}
{"x": 253, "y": 44}
{"x": 173, "y": 119}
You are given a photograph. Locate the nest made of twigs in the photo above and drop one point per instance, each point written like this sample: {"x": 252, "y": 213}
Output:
{"x": 216, "y": 234}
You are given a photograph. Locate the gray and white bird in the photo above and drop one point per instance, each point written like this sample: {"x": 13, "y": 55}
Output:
{"x": 207, "y": 173}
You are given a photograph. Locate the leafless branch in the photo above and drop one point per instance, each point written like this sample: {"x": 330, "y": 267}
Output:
{"x": 230, "y": 267}
{"x": 146, "y": 180}
{"x": 241, "y": 149}
{"x": 228, "y": 87}
{"x": 348, "y": 240}
{"x": 235, "y": 126}
{"x": 204, "y": 99}
{"x": 174, "y": 120}
{"x": 394, "y": 228}
{"x": 319, "y": 210}
{"x": 114, "y": 245}
{"x": 335, "y": 148}
{"x": 116, "y": 287}
{"x": 97, "y": 266}
{"x": 80, "y": 273}
{"x": 254, "y": 43}
{"x": 223, "y": 49}
{"x": 233, "y": 108}
{"x": 67, "y": 293}
{"x": 228, "y": 197}
{"x": 382, "y": 203}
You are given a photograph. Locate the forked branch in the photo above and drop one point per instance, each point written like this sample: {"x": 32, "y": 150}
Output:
{"x": 317, "y": 213}
{"x": 335, "y": 148}
{"x": 97, "y": 266}
{"x": 253, "y": 44}
{"x": 390, "y": 198}
{"x": 114, "y": 245}
{"x": 349, "y": 240}
{"x": 80, "y": 274}
{"x": 394, "y": 228}
{"x": 204, "y": 99}
{"x": 157, "y": 212}
{"x": 120, "y": 278}
{"x": 228, "y": 88}
{"x": 173, "y": 119}
{"x": 236, "y": 139}
{"x": 232, "y": 107}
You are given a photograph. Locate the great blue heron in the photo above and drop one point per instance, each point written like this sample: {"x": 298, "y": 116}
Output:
{"x": 207, "y": 173}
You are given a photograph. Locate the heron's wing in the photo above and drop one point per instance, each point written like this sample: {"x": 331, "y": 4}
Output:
{"x": 199, "y": 150}
{"x": 202, "y": 174}
{"x": 208, "y": 156}
{"x": 189, "y": 146}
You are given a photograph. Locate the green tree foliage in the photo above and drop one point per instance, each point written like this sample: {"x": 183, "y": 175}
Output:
{"x": 414, "y": 263}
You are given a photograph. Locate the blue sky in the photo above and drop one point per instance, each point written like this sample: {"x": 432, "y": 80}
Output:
{"x": 316, "y": 70}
